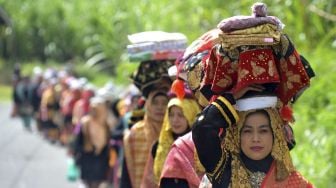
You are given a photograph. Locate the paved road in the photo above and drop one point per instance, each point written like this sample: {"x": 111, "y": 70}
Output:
{"x": 27, "y": 160}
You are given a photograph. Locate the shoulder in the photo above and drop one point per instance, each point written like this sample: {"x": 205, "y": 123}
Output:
{"x": 185, "y": 140}
{"x": 138, "y": 126}
{"x": 136, "y": 130}
{"x": 184, "y": 144}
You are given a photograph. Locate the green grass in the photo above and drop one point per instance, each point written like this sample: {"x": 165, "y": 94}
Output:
{"x": 5, "y": 93}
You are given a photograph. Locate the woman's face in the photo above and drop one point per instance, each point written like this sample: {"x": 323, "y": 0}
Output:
{"x": 256, "y": 136}
{"x": 177, "y": 120}
{"x": 158, "y": 107}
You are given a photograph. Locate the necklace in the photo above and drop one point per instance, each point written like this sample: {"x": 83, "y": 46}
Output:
{"x": 256, "y": 178}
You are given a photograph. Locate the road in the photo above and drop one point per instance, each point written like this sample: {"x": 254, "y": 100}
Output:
{"x": 27, "y": 160}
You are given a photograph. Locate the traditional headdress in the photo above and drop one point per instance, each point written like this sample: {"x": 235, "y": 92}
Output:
{"x": 252, "y": 50}
{"x": 149, "y": 74}
{"x": 280, "y": 151}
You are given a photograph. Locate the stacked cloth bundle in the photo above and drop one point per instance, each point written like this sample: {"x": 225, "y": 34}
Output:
{"x": 258, "y": 29}
{"x": 242, "y": 51}
{"x": 156, "y": 45}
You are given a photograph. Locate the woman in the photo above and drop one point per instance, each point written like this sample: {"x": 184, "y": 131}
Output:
{"x": 91, "y": 145}
{"x": 152, "y": 79}
{"x": 179, "y": 117}
{"x": 251, "y": 152}
{"x": 141, "y": 137}
{"x": 49, "y": 108}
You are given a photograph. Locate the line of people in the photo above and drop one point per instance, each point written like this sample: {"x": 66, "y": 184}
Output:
{"x": 62, "y": 106}
{"x": 221, "y": 119}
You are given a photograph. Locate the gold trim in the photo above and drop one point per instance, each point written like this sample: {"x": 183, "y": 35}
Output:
{"x": 215, "y": 174}
{"x": 230, "y": 107}
{"x": 222, "y": 112}
{"x": 202, "y": 100}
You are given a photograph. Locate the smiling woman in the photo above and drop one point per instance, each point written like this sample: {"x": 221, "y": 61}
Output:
{"x": 256, "y": 135}
{"x": 253, "y": 148}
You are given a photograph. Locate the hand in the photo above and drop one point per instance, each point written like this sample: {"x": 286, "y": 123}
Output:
{"x": 253, "y": 87}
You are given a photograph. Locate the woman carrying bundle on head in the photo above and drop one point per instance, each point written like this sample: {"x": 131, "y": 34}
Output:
{"x": 246, "y": 145}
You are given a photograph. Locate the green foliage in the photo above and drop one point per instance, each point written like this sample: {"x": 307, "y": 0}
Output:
{"x": 63, "y": 30}
{"x": 314, "y": 155}
{"x": 92, "y": 74}
{"x": 73, "y": 31}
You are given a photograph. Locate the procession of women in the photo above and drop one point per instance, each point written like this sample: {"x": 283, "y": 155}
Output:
{"x": 217, "y": 112}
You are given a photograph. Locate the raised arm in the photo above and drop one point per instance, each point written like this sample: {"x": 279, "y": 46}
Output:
{"x": 220, "y": 114}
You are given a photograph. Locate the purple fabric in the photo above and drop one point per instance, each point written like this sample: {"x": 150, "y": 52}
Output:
{"x": 243, "y": 22}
